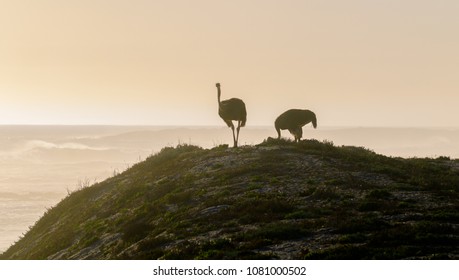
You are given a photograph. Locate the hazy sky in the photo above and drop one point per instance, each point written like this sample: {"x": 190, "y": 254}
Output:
{"x": 354, "y": 63}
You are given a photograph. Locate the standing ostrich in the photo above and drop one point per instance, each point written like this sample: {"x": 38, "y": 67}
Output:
{"x": 294, "y": 120}
{"x": 232, "y": 109}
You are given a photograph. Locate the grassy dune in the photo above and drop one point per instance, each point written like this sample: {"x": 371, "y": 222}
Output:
{"x": 275, "y": 200}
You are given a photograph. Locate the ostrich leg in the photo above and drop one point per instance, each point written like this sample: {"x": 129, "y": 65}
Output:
{"x": 237, "y": 129}
{"x": 234, "y": 138}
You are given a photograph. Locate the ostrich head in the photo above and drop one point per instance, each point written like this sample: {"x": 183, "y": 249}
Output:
{"x": 217, "y": 85}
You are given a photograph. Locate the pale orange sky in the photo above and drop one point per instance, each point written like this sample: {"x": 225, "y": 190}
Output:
{"x": 354, "y": 63}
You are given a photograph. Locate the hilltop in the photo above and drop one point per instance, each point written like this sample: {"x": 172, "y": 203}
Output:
{"x": 275, "y": 200}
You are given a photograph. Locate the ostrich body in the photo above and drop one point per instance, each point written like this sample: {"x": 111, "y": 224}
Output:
{"x": 294, "y": 120}
{"x": 232, "y": 110}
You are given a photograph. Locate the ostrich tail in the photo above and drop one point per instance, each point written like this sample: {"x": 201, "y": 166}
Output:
{"x": 314, "y": 122}
{"x": 243, "y": 115}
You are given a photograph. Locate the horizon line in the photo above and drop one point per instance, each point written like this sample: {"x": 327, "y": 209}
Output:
{"x": 223, "y": 126}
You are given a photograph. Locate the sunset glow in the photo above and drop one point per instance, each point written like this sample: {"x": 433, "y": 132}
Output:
{"x": 354, "y": 63}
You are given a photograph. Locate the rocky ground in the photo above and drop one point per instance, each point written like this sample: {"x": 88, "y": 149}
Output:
{"x": 275, "y": 200}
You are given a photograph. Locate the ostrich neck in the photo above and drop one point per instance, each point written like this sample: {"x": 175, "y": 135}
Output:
{"x": 218, "y": 95}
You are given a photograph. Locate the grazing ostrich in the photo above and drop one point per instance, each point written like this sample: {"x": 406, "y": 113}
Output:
{"x": 232, "y": 109}
{"x": 294, "y": 120}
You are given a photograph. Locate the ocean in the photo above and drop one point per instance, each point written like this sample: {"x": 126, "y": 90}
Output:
{"x": 40, "y": 165}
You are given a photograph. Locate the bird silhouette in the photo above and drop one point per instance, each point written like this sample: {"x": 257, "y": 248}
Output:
{"x": 294, "y": 120}
{"x": 232, "y": 110}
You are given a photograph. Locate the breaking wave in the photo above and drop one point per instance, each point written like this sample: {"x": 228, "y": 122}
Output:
{"x": 40, "y": 144}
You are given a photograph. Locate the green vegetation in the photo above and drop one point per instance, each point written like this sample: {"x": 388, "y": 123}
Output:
{"x": 275, "y": 200}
